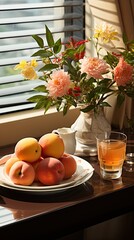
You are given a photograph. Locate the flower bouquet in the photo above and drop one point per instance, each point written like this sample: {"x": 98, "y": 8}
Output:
{"x": 70, "y": 78}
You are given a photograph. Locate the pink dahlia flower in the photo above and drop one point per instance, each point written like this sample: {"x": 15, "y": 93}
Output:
{"x": 123, "y": 72}
{"x": 59, "y": 84}
{"x": 94, "y": 67}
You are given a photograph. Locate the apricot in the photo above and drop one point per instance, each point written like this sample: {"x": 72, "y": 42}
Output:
{"x": 22, "y": 173}
{"x": 52, "y": 145}
{"x": 28, "y": 149}
{"x": 4, "y": 159}
{"x": 9, "y": 164}
{"x": 69, "y": 164}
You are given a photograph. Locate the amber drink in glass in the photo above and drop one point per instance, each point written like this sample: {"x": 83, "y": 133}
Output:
{"x": 111, "y": 154}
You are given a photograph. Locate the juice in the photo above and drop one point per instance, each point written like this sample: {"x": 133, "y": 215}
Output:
{"x": 111, "y": 154}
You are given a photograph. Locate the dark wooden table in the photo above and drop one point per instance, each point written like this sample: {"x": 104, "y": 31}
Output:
{"x": 56, "y": 215}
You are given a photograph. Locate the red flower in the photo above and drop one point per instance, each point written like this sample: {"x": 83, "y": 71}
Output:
{"x": 116, "y": 54}
{"x": 76, "y": 91}
{"x": 74, "y": 44}
{"x": 79, "y": 56}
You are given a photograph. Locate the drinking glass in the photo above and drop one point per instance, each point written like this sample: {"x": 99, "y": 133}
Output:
{"x": 111, "y": 149}
{"x": 129, "y": 162}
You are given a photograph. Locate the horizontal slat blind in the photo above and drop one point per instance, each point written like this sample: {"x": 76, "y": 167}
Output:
{"x": 17, "y": 23}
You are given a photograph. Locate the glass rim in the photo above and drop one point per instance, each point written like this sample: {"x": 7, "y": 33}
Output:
{"x": 114, "y": 132}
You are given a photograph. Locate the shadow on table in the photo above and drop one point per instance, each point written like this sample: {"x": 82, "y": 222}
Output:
{"x": 75, "y": 193}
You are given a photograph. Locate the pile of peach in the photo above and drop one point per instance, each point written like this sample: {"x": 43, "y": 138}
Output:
{"x": 42, "y": 161}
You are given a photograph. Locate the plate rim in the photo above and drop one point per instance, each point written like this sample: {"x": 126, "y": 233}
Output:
{"x": 48, "y": 191}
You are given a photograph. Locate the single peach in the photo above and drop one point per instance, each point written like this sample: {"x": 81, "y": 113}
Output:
{"x": 28, "y": 149}
{"x": 4, "y": 159}
{"x": 22, "y": 173}
{"x": 50, "y": 171}
{"x": 52, "y": 145}
{"x": 70, "y": 165}
{"x": 9, "y": 164}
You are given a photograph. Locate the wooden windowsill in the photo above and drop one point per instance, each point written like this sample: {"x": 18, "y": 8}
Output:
{"x": 33, "y": 123}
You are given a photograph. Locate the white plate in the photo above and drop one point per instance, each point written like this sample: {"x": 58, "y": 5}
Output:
{"x": 48, "y": 191}
{"x": 83, "y": 172}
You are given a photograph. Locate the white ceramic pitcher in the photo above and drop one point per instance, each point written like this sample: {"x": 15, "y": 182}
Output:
{"x": 68, "y": 136}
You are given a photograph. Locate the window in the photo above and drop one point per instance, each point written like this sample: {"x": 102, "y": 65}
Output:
{"x": 19, "y": 20}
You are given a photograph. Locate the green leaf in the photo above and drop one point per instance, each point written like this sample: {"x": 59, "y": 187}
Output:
{"x": 36, "y": 98}
{"x": 81, "y": 48}
{"x": 43, "y": 102}
{"x": 130, "y": 92}
{"x": 48, "y": 104}
{"x": 71, "y": 100}
{"x": 125, "y": 39}
{"x": 57, "y": 46}
{"x": 39, "y": 40}
{"x": 90, "y": 95}
{"x": 65, "y": 109}
{"x": 49, "y": 37}
{"x": 43, "y": 53}
{"x": 111, "y": 60}
{"x": 39, "y": 105}
{"x": 70, "y": 52}
{"x": 91, "y": 81}
{"x": 41, "y": 88}
{"x": 49, "y": 67}
{"x": 105, "y": 104}
{"x": 131, "y": 46}
{"x": 120, "y": 99}
{"x": 88, "y": 108}
{"x": 129, "y": 57}
{"x": 105, "y": 82}
{"x": 102, "y": 90}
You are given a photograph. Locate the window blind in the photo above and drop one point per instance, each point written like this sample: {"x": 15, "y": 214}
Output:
{"x": 20, "y": 20}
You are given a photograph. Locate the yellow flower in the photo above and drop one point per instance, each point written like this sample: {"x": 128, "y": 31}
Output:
{"x": 27, "y": 69}
{"x": 21, "y": 65}
{"x": 29, "y": 73}
{"x": 106, "y": 33}
{"x": 34, "y": 63}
